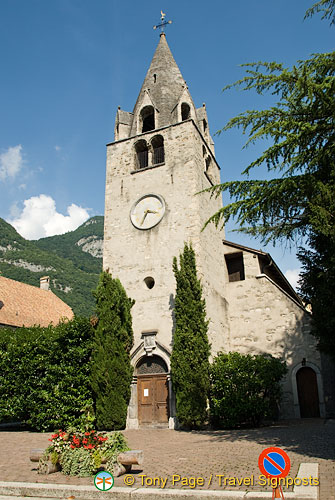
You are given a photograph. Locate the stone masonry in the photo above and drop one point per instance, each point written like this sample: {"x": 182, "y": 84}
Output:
{"x": 257, "y": 313}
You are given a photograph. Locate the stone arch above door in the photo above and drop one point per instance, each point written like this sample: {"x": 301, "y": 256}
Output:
{"x": 147, "y": 353}
{"x": 150, "y": 347}
{"x": 149, "y": 365}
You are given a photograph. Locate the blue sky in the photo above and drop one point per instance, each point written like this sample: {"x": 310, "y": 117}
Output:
{"x": 67, "y": 64}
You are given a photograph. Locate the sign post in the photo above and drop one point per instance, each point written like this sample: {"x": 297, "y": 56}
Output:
{"x": 274, "y": 463}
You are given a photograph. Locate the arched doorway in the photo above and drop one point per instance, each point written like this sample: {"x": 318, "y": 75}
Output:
{"x": 152, "y": 391}
{"x": 308, "y": 394}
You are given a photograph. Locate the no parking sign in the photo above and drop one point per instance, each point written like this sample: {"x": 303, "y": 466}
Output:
{"x": 274, "y": 463}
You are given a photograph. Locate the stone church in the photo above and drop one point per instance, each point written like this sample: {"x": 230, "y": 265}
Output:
{"x": 162, "y": 155}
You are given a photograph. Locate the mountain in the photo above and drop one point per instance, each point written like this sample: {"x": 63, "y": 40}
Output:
{"x": 73, "y": 261}
{"x": 83, "y": 246}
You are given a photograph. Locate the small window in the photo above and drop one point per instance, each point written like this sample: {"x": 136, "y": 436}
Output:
{"x": 158, "y": 150}
{"x": 204, "y": 124}
{"x": 141, "y": 149}
{"x": 203, "y": 151}
{"x": 150, "y": 282}
{"x": 185, "y": 111}
{"x": 148, "y": 118}
{"x": 235, "y": 266}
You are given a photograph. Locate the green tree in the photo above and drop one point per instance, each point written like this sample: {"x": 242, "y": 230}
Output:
{"x": 245, "y": 389}
{"x": 299, "y": 202}
{"x": 327, "y": 7}
{"x": 301, "y": 126}
{"x": 111, "y": 371}
{"x": 318, "y": 287}
{"x": 191, "y": 349}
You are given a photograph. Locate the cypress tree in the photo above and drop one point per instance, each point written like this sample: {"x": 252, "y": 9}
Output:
{"x": 111, "y": 372}
{"x": 191, "y": 349}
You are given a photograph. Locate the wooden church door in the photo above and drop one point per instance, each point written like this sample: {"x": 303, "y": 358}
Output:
{"x": 153, "y": 399}
{"x": 152, "y": 391}
{"x": 308, "y": 393}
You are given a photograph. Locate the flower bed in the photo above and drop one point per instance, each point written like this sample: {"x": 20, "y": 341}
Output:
{"x": 83, "y": 453}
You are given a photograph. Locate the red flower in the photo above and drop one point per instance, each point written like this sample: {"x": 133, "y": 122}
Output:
{"x": 85, "y": 446}
{"x": 87, "y": 433}
{"x": 90, "y": 446}
{"x": 84, "y": 441}
{"x": 71, "y": 446}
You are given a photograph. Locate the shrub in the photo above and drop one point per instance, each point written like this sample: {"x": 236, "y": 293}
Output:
{"x": 189, "y": 359}
{"x": 111, "y": 373}
{"x": 44, "y": 374}
{"x": 244, "y": 389}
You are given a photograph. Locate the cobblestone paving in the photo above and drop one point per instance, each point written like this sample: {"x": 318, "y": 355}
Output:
{"x": 202, "y": 454}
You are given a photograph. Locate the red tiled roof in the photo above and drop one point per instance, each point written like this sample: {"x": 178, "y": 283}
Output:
{"x": 26, "y": 305}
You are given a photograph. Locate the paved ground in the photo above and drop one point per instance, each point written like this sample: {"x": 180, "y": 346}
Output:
{"x": 194, "y": 454}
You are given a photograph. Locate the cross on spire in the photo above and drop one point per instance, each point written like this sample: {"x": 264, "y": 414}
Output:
{"x": 163, "y": 22}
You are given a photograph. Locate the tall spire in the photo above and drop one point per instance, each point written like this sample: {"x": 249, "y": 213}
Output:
{"x": 163, "y": 84}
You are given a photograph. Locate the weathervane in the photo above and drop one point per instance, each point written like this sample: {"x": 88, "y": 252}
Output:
{"x": 163, "y": 23}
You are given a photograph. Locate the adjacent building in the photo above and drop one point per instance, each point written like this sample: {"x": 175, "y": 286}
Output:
{"x": 26, "y": 305}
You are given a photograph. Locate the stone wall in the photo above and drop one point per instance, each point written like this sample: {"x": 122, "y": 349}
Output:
{"x": 132, "y": 254}
{"x": 265, "y": 319}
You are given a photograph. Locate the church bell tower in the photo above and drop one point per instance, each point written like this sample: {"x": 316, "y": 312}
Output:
{"x": 162, "y": 155}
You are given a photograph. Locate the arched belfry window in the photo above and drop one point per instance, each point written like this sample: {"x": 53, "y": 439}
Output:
{"x": 185, "y": 111}
{"x": 148, "y": 118}
{"x": 141, "y": 149}
{"x": 208, "y": 162}
{"x": 158, "y": 155}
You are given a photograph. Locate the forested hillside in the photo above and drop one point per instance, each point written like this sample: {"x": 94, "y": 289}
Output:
{"x": 72, "y": 260}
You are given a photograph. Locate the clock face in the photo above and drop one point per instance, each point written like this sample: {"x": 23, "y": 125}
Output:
{"x": 148, "y": 211}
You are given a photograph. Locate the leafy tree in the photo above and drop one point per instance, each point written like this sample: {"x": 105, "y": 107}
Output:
{"x": 191, "y": 349}
{"x": 300, "y": 201}
{"x": 318, "y": 287}
{"x": 301, "y": 126}
{"x": 244, "y": 389}
{"x": 327, "y": 7}
{"x": 111, "y": 369}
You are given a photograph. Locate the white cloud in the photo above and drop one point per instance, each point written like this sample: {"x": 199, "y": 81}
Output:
{"x": 14, "y": 210}
{"x": 57, "y": 148}
{"x": 39, "y": 218}
{"x": 11, "y": 162}
{"x": 292, "y": 275}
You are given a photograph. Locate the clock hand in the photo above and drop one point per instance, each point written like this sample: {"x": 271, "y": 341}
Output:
{"x": 152, "y": 211}
{"x": 144, "y": 216}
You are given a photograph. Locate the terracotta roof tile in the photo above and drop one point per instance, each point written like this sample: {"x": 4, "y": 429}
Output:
{"x": 26, "y": 305}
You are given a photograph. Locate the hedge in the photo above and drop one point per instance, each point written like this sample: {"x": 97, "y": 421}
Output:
{"x": 245, "y": 389}
{"x": 45, "y": 374}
